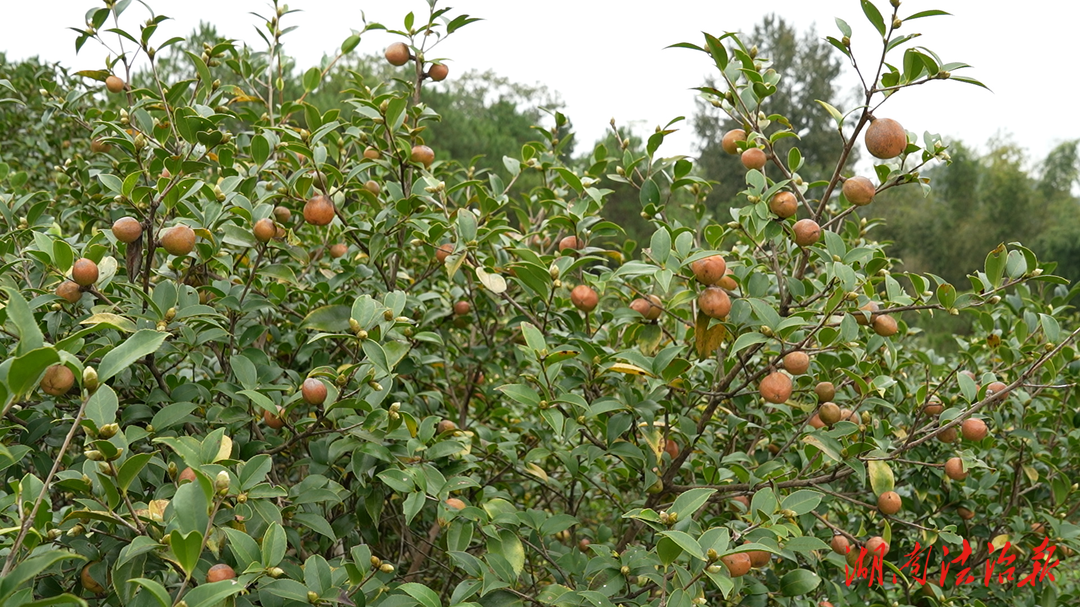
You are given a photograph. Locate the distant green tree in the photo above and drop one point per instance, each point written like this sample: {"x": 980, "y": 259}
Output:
{"x": 811, "y": 68}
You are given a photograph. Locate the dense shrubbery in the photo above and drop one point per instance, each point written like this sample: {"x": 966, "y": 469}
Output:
{"x": 318, "y": 366}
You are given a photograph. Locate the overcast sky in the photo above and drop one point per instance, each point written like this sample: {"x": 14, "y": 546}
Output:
{"x": 607, "y": 58}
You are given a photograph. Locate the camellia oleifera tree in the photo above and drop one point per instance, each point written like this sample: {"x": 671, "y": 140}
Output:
{"x": 251, "y": 363}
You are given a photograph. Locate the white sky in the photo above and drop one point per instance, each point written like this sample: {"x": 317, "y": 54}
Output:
{"x": 607, "y": 58}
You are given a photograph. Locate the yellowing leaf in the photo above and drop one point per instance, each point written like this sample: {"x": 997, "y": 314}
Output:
{"x": 881, "y": 476}
{"x": 494, "y": 283}
{"x": 536, "y": 471}
{"x": 111, "y": 320}
{"x": 707, "y": 340}
{"x": 225, "y": 450}
{"x": 629, "y": 369}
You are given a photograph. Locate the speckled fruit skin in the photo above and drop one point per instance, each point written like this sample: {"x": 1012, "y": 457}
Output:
{"x": 397, "y": 54}
{"x": 649, "y": 308}
{"x": 974, "y": 429}
{"x": 114, "y": 84}
{"x": 859, "y": 191}
{"x": 127, "y": 229}
{"x": 784, "y": 204}
{"x": 825, "y": 391}
{"x": 797, "y": 362}
{"x": 715, "y": 303}
{"x": 754, "y": 158}
{"x": 178, "y": 240}
{"x": 438, "y": 72}
{"x": 313, "y": 391}
{"x": 889, "y": 503}
{"x": 737, "y": 564}
{"x": 877, "y": 545}
{"x": 954, "y": 469}
{"x": 709, "y": 270}
{"x": 319, "y": 210}
{"x": 807, "y": 232}
{"x": 443, "y": 252}
{"x": 264, "y": 230}
{"x": 885, "y": 138}
{"x": 273, "y": 421}
{"x": 84, "y": 272}
{"x": 571, "y": 243}
{"x": 731, "y": 140}
{"x": 584, "y": 298}
{"x": 58, "y": 379}
{"x": 776, "y": 388}
{"x": 220, "y": 572}
{"x": 423, "y": 154}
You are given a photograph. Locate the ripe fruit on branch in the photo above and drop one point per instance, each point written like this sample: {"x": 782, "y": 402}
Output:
{"x": 807, "y": 232}
{"x": 187, "y": 476}
{"x": 571, "y": 243}
{"x": 885, "y": 325}
{"x": 829, "y": 413}
{"x": 584, "y": 298}
{"x": 731, "y": 140}
{"x": 649, "y": 308}
{"x": 754, "y": 158}
{"x": 583, "y": 545}
{"x": 954, "y": 469}
{"x": 996, "y": 387}
{"x": 398, "y": 54}
{"x": 776, "y": 388}
{"x": 796, "y": 362}
{"x": 84, "y": 272}
{"x": 313, "y": 391}
{"x": 714, "y": 302}
{"x": 275, "y": 421}
{"x": 373, "y": 187}
{"x": 57, "y": 380}
{"x": 220, "y": 572}
{"x": 114, "y": 84}
{"x": 965, "y": 514}
{"x": 462, "y": 308}
{"x": 974, "y": 429}
{"x": 947, "y": 436}
{"x": 877, "y": 545}
{"x": 319, "y": 210}
{"x": 709, "y": 270}
{"x": 825, "y": 391}
{"x": 859, "y": 191}
{"x": 816, "y": 422}
{"x": 864, "y": 319}
{"x": 784, "y": 204}
{"x": 338, "y": 250}
{"x": 737, "y": 564}
{"x": 88, "y": 581}
{"x": 445, "y": 426}
{"x": 672, "y": 448}
{"x": 758, "y": 558}
{"x": 438, "y": 72}
{"x": 889, "y": 502}
{"x": 178, "y": 240}
{"x": 423, "y": 154}
{"x": 443, "y": 252}
{"x": 264, "y": 229}
{"x": 839, "y": 544}
{"x": 127, "y": 229}
{"x": 727, "y": 282}
{"x": 282, "y": 214}
{"x": 933, "y": 406}
{"x": 885, "y": 138}
{"x": 98, "y": 146}
{"x": 372, "y": 153}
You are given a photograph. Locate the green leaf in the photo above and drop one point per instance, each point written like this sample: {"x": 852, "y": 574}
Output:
{"x": 798, "y": 582}
{"x": 331, "y": 319}
{"x": 426, "y": 596}
{"x": 802, "y": 501}
{"x": 835, "y": 113}
{"x": 189, "y": 507}
{"x": 273, "y": 545}
{"x": 210, "y": 595}
{"x": 27, "y": 370}
{"x": 187, "y": 548}
{"x": 823, "y": 444}
{"x": 689, "y": 502}
{"x": 874, "y": 16}
{"x": 686, "y": 542}
{"x": 881, "y": 476}
{"x": 349, "y": 44}
{"x": 512, "y": 550}
{"x": 533, "y": 337}
{"x": 102, "y": 406}
{"x": 23, "y": 322}
{"x": 29, "y": 569}
{"x": 650, "y": 193}
{"x": 131, "y": 468}
{"x": 311, "y": 79}
{"x": 126, "y": 354}
{"x": 156, "y": 590}
{"x": 995, "y": 265}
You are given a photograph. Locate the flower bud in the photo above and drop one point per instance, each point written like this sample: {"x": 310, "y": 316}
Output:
{"x": 386, "y": 568}
{"x": 312, "y": 597}
{"x": 108, "y": 431}
{"x": 221, "y": 483}
{"x": 375, "y": 561}
{"x": 94, "y": 455}
{"x": 275, "y": 572}
{"x": 90, "y": 379}
{"x": 170, "y": 314}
